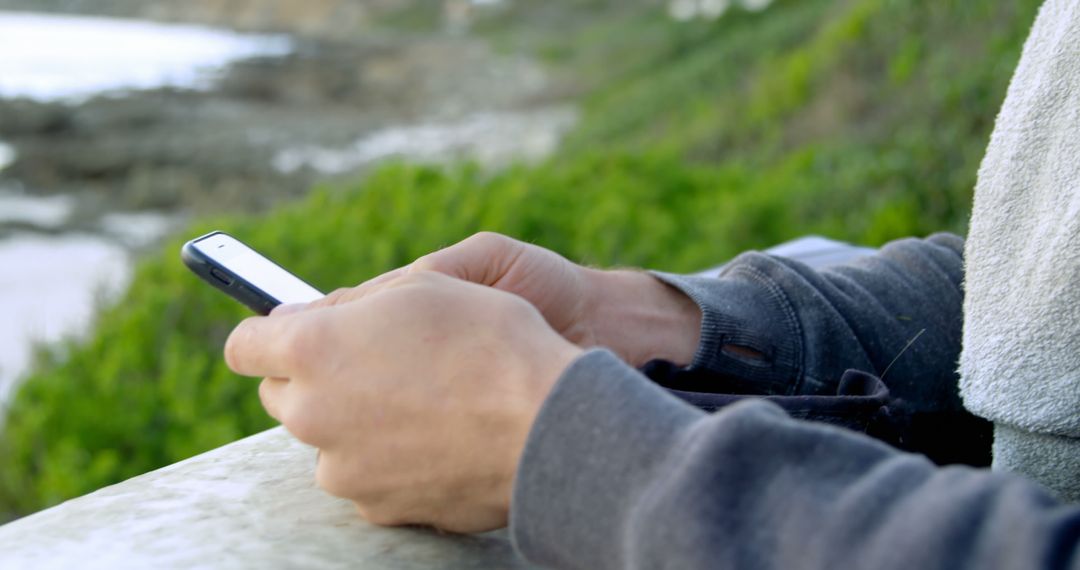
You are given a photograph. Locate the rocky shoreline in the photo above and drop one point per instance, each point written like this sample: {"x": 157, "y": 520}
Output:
{"x": 312, "y": 18}
{"x": 199, "y": 152}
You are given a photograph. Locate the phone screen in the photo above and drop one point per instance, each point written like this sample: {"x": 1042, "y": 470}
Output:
{"x": 258, "y": 271}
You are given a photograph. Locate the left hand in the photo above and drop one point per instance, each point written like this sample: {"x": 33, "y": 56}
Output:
{"x": 419, "y": 394}
{"x": 630, "y": 312}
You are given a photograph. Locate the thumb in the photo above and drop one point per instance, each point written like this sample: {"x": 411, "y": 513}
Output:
{"x": 483, "y": 258}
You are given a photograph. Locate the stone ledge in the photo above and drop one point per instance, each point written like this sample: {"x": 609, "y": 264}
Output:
{"x": 252, "y": 503}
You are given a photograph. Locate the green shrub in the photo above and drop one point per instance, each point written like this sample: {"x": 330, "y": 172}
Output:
{"x": 863, "y": 120}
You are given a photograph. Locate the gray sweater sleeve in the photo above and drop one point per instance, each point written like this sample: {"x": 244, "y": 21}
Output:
{"x": 897, "y": 313}
{"x": 617, "y": 473}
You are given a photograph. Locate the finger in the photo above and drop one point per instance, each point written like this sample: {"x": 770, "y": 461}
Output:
{"x": 347, "y": 295}
{"x": 289, "y": 309}
{"x": 265, "y": 346}
{"x": 483, "y": 258}
{"x": 330, "y": 299}
{"x": 271, "y": 394}
{"x": 384, "y": 278}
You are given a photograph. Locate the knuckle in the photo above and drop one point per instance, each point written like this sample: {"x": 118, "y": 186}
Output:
{"x": 341, "y": 293}
{"x": 488, "y": 239}
{"x": 334, "y": 297}
{"x": 330, "y": 299}
{"x": 428, "y": 262}
{"x": 420, "y": 275}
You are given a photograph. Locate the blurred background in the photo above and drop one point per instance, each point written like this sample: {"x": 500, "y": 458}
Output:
{"x": 347, "y": 137}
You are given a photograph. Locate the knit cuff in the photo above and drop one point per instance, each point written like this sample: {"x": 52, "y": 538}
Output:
{"x": 745, "y": 310}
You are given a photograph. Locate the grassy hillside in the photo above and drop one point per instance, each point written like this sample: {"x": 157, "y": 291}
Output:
{"x": 861, "y": 119}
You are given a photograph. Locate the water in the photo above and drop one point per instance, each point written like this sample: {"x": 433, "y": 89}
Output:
{"x": 41, "y": 212}
{"x": 49, "y": 287}
{"x": 70, "y": 58}
{"x": 684, "y": 10}
{"x": 52, "y": 278}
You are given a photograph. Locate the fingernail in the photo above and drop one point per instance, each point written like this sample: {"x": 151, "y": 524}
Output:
{"x": 288, "y": 309}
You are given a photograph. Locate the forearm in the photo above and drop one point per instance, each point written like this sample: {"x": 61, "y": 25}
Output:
{"x": 618, "y": 474}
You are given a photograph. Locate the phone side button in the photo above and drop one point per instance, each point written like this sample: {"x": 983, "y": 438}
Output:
{"x": 220, "y": 276}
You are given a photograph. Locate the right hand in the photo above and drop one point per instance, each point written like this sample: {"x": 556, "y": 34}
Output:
{"x": 367, "y": 383}
{"x": 630, "y": 312}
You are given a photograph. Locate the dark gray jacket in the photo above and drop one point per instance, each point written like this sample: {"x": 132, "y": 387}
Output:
{"x": 618, "y": 473}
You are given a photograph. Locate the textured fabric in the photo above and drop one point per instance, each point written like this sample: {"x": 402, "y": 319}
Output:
{"x": 1052, "y": 460}
{"x": 1020, "y": 365}
{"x": 618, "y": 473}
{"x": 899, "y": 310}
{"x": 862, "y": 403}
{"x": 895, "y": 314}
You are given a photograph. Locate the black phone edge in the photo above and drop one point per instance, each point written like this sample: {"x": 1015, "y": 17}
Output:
{"x": 252, "y": 297}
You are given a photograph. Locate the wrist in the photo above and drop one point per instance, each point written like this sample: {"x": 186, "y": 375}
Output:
{"x": 641, "y": 318}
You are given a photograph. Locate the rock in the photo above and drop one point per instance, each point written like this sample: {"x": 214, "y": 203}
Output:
{"x": 311, "y": 18}
{"x": 213, "y": 151}
{"x": 24, "y": 117}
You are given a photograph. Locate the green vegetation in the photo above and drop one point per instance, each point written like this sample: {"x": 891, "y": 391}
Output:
{"x": 864, "y": 120}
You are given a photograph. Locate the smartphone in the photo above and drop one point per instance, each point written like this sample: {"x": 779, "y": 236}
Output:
{"x": 244, "y": 274}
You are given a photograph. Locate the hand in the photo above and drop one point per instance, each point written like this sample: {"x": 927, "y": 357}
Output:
{"x": 419, "y": 394}
{"x": 630, "y": 312}
{"x": 560, "y": 290}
